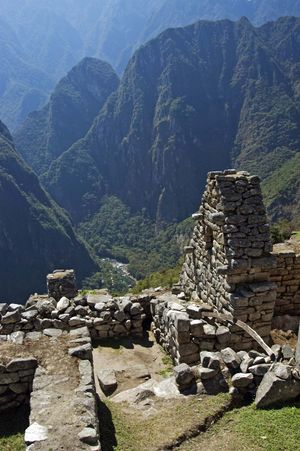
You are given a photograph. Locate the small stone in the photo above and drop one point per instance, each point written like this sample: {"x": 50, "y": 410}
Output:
{"x": 21, "y": 364}
{"x": 287, "y": 352}
{"x": 283, "y": 371}
{"x": 55, "y": 333}
{"x": 242, "y": 380}
{"x": 83, "y": 352}
{"x": 210, "y": 360}
{"x": 107, "y": 380}
{"x": 88, "y": 435}
{"x": 259, "y": 370}
{"x": 11, "y": 317}
{"x": 62, "y": 304}
{"x": 231, "y": 359}
{"x": 17, "y": 337}
{"x": 207, "y": 373}
{"x": 184, "y": 375}
{"x": 35, "y": 433}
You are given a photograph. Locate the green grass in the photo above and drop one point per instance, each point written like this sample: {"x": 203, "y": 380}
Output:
{"x": 125, "y": 429}
{"x": 168, "y": 366}
{"x": 252, "y": 429}
{"x": 12, "y": 443}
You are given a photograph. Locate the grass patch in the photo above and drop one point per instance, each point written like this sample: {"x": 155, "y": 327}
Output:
{"x": 252, "y": 429}
{"x": 168, "y": 365}
{"x": 130, "y": 430}
{"x": 12, "y": 443}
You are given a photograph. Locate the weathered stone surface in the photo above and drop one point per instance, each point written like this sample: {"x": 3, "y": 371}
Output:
{"x": 35, "y": 433}
{"x": 107, "y": 380}
{"x": 184, "y": 375}
{"x": 273, "y": 390}
{"x": 83, "y": 352}
{"x": 9, "y": 378}
{"x": 242, "y": 380}
{"x": 88, "y": 435}
{"x": 259, "y": 370}
{"x": 231, "y": 359}
{"x": 62, "y": 304}
{"x": 210, "y": 360}
{"x": 11, "y": 317}
{"x": 17, "y": 337}
{"x": 207, "y": 373}
{"x": 22, "y": 364}
{"x": 55, "y": 333}
{"x": 282, "y": 371}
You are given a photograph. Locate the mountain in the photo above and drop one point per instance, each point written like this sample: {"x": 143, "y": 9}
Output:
{"x": 76, "y": 101}
{"x": 56, "y": 34}
{"x": 36, "y": 235}
{"x": 23, "y": 88}
{"x": 208, "y": 96}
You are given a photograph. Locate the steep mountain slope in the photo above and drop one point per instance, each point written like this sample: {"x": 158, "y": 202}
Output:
{"x": 76, "y": 101}
{"x": 55, "y": 34}
{"x": 198, "y": 98}
{"x": 23, "y": 88}
{"x": 35, "y": 234}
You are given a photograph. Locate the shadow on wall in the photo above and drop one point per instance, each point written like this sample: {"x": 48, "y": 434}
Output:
{"x": 14, "y": 421}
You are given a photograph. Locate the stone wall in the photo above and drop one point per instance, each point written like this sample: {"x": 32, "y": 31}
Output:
{"x": 286, "y": 275}
{"x": 181, "y": 330}
{"x": 105, "y": 316}
{"x": 228, "y": 262}
{"x": 16, "y": 382}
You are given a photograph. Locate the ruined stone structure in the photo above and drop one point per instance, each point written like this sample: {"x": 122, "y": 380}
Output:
{"x": 62, "y": 282}
{"x": 228, "y": 263}
{"x": 286, "y": 275}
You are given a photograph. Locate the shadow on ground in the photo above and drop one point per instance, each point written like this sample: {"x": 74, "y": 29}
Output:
{"x": 126, "y": 342}
{"x": 14, "y": 421}
{"x": 107, "y": 429}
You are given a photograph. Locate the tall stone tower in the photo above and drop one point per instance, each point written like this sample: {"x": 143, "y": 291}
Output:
{"x": 228, "y": 261}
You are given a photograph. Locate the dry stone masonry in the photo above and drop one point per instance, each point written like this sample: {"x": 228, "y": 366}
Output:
{"x": 228, "y": 262}
{"x": 16, "y": 382}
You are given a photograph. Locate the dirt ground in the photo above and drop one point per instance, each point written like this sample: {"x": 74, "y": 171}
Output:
{"x": 133, "y": 360}
{"x": 55, "y": 409}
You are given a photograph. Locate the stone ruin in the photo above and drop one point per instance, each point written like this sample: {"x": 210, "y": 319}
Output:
{"x": 231, "y": 277}
{"x": 228, "y": 262}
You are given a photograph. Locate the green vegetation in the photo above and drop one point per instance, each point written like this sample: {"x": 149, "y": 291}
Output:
{"x": 281, "y": 189}
{"x": 250, "y": 429}
{"x": 12, "y": 443}
{"x": 167, "y": 371}
{"x": 158, "y": 135}
{"x": 127, "y": 430}
{"x": 165, "y": 278}
{"x": 36, "y": 236}
{"x": 281, "y": 231}
{"x": 115, "y": 232}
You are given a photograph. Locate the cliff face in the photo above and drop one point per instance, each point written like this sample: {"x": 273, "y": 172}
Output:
{"x": 198, "y": 98}
{"x": 76, "y": 100}
{"x": 36, "y": 236}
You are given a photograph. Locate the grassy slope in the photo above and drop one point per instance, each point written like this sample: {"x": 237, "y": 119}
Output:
{"x": 249, "y": 429}
{"x": 136, "y": 432}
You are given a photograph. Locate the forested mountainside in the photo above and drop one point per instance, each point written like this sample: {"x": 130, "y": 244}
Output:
{"x": 51, "y": 36}
{"x": 74, "y": 104}
{"x": 207, "y": 96}
{"x": 36, "y": 235}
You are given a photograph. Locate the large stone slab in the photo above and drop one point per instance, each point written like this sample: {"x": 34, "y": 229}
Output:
{"x": 273, "y": 390}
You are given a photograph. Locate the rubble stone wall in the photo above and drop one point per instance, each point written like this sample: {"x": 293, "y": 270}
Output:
{"x": 105, "y": 317}
{"x": 286, "y": 275}
{"x": 183, "y": 333}
{"x": 16, "y": 382}
{"x": 228, "y": 262}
